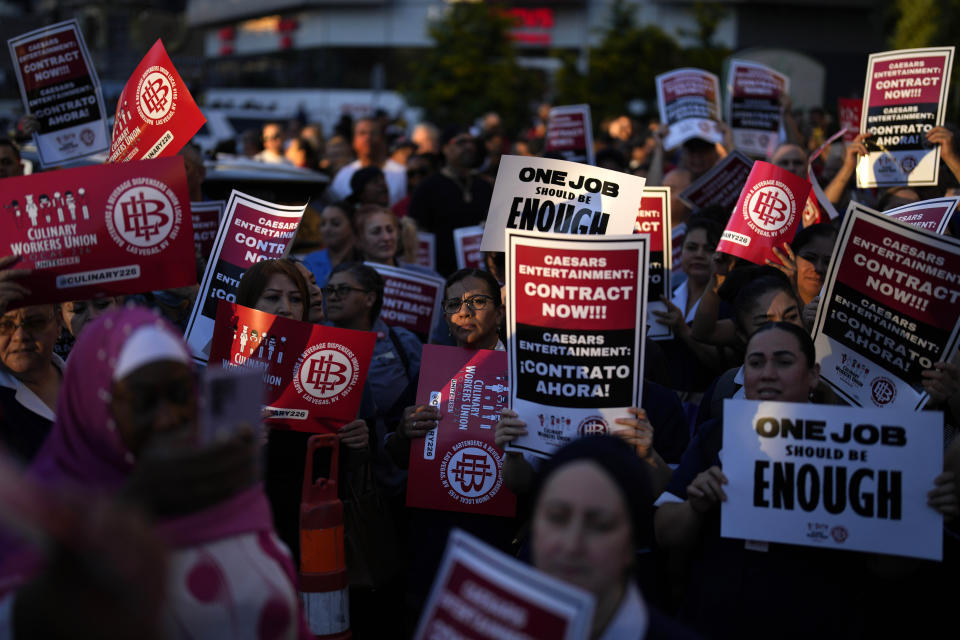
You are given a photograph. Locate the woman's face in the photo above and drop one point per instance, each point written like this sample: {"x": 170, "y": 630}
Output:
{"x": 379, "y": 241}
{"x": 582, "y": 532}
{"x": 375, "y": 192}
{"x": 78, "y": 314}
{"x": 696, "y": 254}
{"x": 473, "y": 328}
{"x": 315, "y": 313}
{"x": 27, "y": 337}
{"x": 281, "y": 297}
{"x": 812, "y": 262}
{"x": 775, "y": 368}
{"x": 335, "y": 228}
{"x": 773, "y": 306}
{"x": 347, "y": 303}
{"x": 155, "y": 406}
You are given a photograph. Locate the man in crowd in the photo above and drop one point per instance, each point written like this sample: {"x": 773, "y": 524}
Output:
{"x": 272, "y": 145}
{"x": 371, "y": 149}
{"x": 10, "y": 165}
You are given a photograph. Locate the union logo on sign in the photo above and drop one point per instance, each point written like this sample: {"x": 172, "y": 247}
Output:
{"x": 592, "y": 426}
{"x": 883, "y": 391}
{"x": 471, "y": 472}
{"x": 143, "y": 215}
{"x": 326, "y": 372}
{"x": 769, "y": 207}
{"x": 156, "y": 96}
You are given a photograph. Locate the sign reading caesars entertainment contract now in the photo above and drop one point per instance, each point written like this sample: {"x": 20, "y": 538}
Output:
{"x": 466, "y": 242}
{"x": 832, "y": 477}
{"x": 653, "y": 219}
{"x": 252, "y": 230}
{"x": 100, "y": 230}
{"x": 905, "y": 96}
{"x": 767, "y": 213}
{"x": 570, "y": 133}
{"x": 850, "y": 110}
{"x": 457, "y": 466}
{"x": 59, "y": 86}
{"x": 754, "y": 92}
{"x": 313, "y": 375}
{"x": 411, "y": 299}
{"x": 206, "y": 223}
{"x": 689, "y": 101}
{"x": 576, "y": 310}
{"x": 560, "y": 197}
{"x": 480, "y": 593}
{"x": 156, "y": 115}
{"x": 890, "y": 309}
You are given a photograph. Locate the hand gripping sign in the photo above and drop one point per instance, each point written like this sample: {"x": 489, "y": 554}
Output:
{"x": 767, "y": 214}
{"x": 313, "y": 374}
{"x": 890, "y": 310}
{"x": 905, "y": 96}
{"x": 59, "y": 86}
{"x": 457, "y": 466}
{"x": 689, "y": 101}
{"x": 100, "y": 230}
{"x": 576, "y": 311}
{"x": 156, "y": 115}
{"x": 483, "y": 594}
{"x": 832, "y": 477}
{"x": 555, "y": 196}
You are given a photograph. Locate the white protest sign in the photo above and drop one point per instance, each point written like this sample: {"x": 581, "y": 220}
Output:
{"x": 832, "y": 477}
{"x": 556, "y": 196}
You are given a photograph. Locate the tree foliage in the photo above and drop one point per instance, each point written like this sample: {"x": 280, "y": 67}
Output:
{"x": 629, "y": 56}
{"x": 471, "y": 69}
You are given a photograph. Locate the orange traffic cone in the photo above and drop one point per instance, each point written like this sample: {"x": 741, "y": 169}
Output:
{"x": 323, "y": 570}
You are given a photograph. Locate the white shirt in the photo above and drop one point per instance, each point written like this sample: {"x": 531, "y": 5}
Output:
{"x": 24, "y": 396}
{"x": 394, "y": 172}
{"x": 679, "y": 298}
{"x": 631, "y": 620}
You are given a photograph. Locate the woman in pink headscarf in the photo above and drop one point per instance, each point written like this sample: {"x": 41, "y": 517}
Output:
{"x": 126, "y": 427}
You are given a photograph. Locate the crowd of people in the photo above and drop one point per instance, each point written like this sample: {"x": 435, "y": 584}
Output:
{"x": 166, "y": 536}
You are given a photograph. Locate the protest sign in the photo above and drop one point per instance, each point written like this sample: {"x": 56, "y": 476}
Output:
{"x": 816, "y": 192}
{"x": 832, "y": 477}
{"x": 677, "y": 236}
{"x": 849, "y": 110}
{"x": 411, "y": 299}
{"x": 466, "y": 241}
{"x": 60, "y": 87}
{"x": 100, "y": 230}
{"x": 426, "y": 250}
{"x": 480, "y": 593}
{"x": 457, "y": 466}
{"x": 754, "y": 92}
{"x": 930, "y": 215}
{"x": 313, "y": 374}
{"x": 721, "y": 185}
{"x": 537, "y": 194}
{"x": 576, "y": 310}
{"x": 905, "y": 96}
{"x": 653, "y": 219}
{"x": 689, "y": 101}
{"x": 251, "y": 230}
{"x": 206, "y": 223}
{"x": 156, "y": 115}
{"x": 570, "y": 133}
{"x": 767, "y": 214}
{"x": 889, "y": 310}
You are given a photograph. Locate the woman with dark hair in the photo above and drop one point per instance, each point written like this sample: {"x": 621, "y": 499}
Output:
{"x": 740, "y": 590}
{"x": 369, "y": 186}
{"x": 805, "y": 260}
{"x": 277, "y": 287}
{"x": 336, "y": 231}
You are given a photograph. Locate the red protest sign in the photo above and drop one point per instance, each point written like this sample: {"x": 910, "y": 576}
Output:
{"x": 426, "y": 250}
{"x": 721, "y": 185}
{"x": 466, "y": 242}
{"x": 689, "y": 101}
{"x": 251, "y": 230}
{"x": 313, "y": 374}
{"x": 930, "y": 215}
{"x": 410, "y": 299}
{"x": 653, "y": 218}
{"x": 457, "y": 467}
{"x": 156, "y": 115}
{"x": 754, "y": 92}
{"x": 570, "y": 133}
{"x": 100, "y": 230}
{"x": 767, "y": 214}
{"x": 849, "y": 110}
{"x": 206, "y": 222}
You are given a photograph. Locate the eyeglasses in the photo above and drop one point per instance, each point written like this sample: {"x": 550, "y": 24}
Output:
{"x": 340, "y": 291}
{"x": 30, "y": 324}
{"x": 476, "y": 303}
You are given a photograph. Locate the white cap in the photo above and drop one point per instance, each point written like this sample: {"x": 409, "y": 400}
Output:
{"x": 147, "y": 344}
